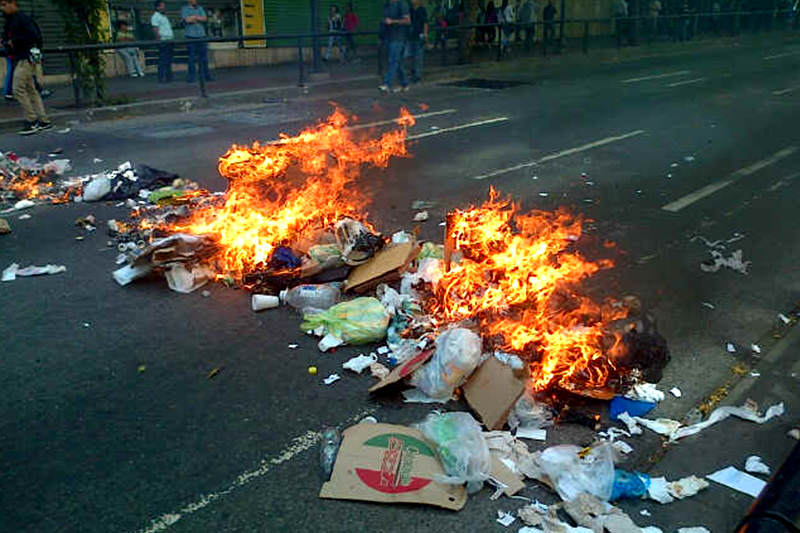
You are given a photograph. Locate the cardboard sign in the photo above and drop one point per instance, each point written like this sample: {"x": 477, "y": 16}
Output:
{"x": 390, "y": 464}
{"x": 404, "y": 370}
{"x": 492, "y": 390}
{"x": 387, "y": 266}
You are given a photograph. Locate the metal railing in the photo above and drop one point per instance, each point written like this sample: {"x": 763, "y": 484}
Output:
{"x": 629, "y": 30}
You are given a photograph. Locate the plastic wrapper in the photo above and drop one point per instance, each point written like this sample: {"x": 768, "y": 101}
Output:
{"x": 460, "y": 446}
{"x": 358, "y": 321}
{"x": 629, "y": 485}
{"x": 573, "y": 470}
{"x": 458, "y": 352}
{"x": 530, "y": 414}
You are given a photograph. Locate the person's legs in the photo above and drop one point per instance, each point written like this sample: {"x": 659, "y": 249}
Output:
{"x": 8, "y": 84}
{"x": 203, "y": 52}
{"x": 137, "y": 61}
{"x": 192, "y": 68}
{"x": 124, "y": 53}
{"x": 396, "y": 51}
{"x": 169, "y": 50}
{"x": 26, "y": 94}
{"x": 162, "y": 66}
{"x": 328, "y": 50}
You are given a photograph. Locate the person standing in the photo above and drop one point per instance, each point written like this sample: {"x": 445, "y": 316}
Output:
{"x": 335, "y": 26}
{"x": 418, "y": 39}
{"x": 525, "y": 18}
{"x": 22, "y": 39}
{"x": 130, "y": 56}
{"x": 8, "y": 84}
{"x": 396, "y": 20}
{"x": 507, "y": 19}
{"x": 655, "y": 12}
{"x": 351, "y": 23}
{"x": 163, "y": 30}
{"x": 549, "y": 17}
{"x": 193, "y": 17}
{"x": 620, "y": 19}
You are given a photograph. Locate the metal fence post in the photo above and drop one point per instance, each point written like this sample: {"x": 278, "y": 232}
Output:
{"x": 201, "y": 76}
{"x": 76, "y": 90}
{"x": 586, "y": 37}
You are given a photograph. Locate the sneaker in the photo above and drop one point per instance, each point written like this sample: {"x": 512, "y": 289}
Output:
{"x": 44, "y": 126}
{"x": 46, "y": 93}
{"x": 29, "y": 129}
{"x": 383, "y": 88}
{"x": 9, "y": 97}
{"x": 403, "y": 89}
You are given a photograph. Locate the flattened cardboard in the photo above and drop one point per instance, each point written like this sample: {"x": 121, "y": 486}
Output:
{"x": 390, "y": 464}
{"x": 403, "y": 370}
{"x": 492, "y": 391}
{"x": 386, "y": 266}
{"x": 504, "y": 475}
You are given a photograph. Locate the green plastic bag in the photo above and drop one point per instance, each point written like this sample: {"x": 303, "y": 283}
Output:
{"x": 358, "y": 321}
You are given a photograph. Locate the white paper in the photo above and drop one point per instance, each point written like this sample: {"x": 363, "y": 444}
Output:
{"x": 676, "y": 392}
{"x": 738, "y": 480}
{"x": 10, "y": 273}
{"x": 422, "y": 216}
{"x": 622, "y": 447}
{"x": 785, "y": 319}
{"x": 383, "y": 350}
{"x": 645, "y": 392}
{"x": 505, "y": 519}
{"x": 360, "y": 362}
{"x": 645, "y": 512}
{"x": 693, "y": 529}
{"x": 293, "y": 346}
{"x": 755, "y": 465}
{"x": 730, "y": 347}
{"x": 330, "y": 380}
{"x": 532, "y": 434}
{"x": 529, "y": 529}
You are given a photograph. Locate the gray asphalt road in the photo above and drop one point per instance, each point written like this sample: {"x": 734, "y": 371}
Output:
{"x": 89, "y": 443}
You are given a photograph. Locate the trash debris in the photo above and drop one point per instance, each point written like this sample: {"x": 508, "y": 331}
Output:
{"x": 214, "y": 372}
{"x": 622, "y": 447}
{"x": 629, "y": 485}
{"x": 13, "y": 270}
{"x": 328, "y": 449}
{"x": 293, "y": 346}
{"x": 386, "y": 266}
{"x": 311, "y": 298}
{"x": 717, "y": 261}
{"x": 574, "y": 470}
{"x": 360, "y": 362}
{"x": 422, "y": 216}
{"x": 709, "y": 305}
{"x": 460, "y": 446}
{"x": 359, "y": 321}
{"x": 785, "y": 319}
{"x": 794, "y": 433}
{"x": 693, "y": 529}
{"x": 205, "y": 294}
{"x": 645, "y": 512}
{"x": 390, "y": 464}
{"x": 458, "y": 352}
{"x": 4, "y": 227}
{"x": 492, "y": 390}
{"x": 330, "y": 380}
{"x": 645, "y": 392}
{"x": 620, "y": 404}
{"x": 664, "y": 491}
{"x": 505, "y": 519}
{"x": 530, "y": 414}
{"x": 755, "y": 465}
{"x": 422, "y": 204}
{"x": 730, "y": 347}
{"x": 141, "y": 368}
{"x": 675, "y": 391}
{"x": 755, "y": 348}
{"x": 260, "y": 302}
{"x": 185, "y": 280}
{"x": 738, "y": 480}
{"x": 26, "y": 216}
{"x": 532, "y": 434}
{"x": 378, "y": 371}
{"x": 312, "y": 370}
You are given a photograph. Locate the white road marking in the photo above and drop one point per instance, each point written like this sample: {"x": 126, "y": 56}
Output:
{"x": 563, "y": 153}
{"x": 295, "y": 447}
{"x": 784, "y": 181}
{"x": 785, "y": 91}
{"x": 456, "y": 128}
{"x": 396, "y": 120}
{"x": 686, "y": 82}
{"x": 776, "y": 56}
{"x": 711, "y": 188}
{"x": 657, "y": 76}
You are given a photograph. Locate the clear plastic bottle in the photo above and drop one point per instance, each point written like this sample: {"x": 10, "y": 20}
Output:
{"x": 328, "y": 449}
{"x": 311, "y": 296}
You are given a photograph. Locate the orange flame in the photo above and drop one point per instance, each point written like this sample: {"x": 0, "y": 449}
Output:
{"x": 518, "y": 279}
{"x": 265, "y": 208}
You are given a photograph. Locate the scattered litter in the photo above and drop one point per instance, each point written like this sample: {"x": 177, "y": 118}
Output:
{"x": 4, "y": 227}
{"x": 664, "y": 491}
{"x": 360, "y": 362}
{"x": 794, "y": 433}
{"x": 505, "y": 519}
{"x": 738, "y": 480}
{"x": 673, "y": 165}
{"x": 185, "y": 280}
{"x": 755, "y": 374}
{"x": 620, "y": 405}
{"x": 532, "y": 434}
{"x": 693, "y": 529}
{"x": 785, "y": 319}
{"x": 214, "y": 372}
{"x": 293, "y": 346}
{"x": 756, "y": 348}
{"x": 20, "y": 205}
{"x": 709, "y": 305}
{"x": 378, "y": 371}
{"x": 330, "y": 380}
{"x": 65, "y": 130}
{"x": 622, "y": 447}
{"x": 141, "y": 368}
{"x": 755, "y": 465}
{"x": 422, "y": 216}
{"x": 259, "y": 302}
{"x": 97, "y": 160}
{"x": 645, "y": 512}
{"x": 730, "y": 347}
{"x": 676, "y": 392}
{"x": 312, "y": 370}
{"x": 12, "y": 271}
{"x": 359, "y": 321}
{"x": 689, "y": 158}
{"x": 718, "y": 259}
{"x": 574, "y": 470}
{"x": 544, "y": 194}
{"x": 417, "y": 396}
{"x": 458, "y": 352}
{"x": 383, "y": 350}
{"x": 645, "y": 392}
{"x": 422, "y": 204}
{"x": 205, "y": 294}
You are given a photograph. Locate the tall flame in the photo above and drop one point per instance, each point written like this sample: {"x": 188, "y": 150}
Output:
{"x": 519, "y": 279}
{"x": 265, "y": 208}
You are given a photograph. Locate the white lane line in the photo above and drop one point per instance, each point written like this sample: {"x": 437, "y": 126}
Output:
{"x": 785, "y": 91}
{"x": 657, "y": 76}
{"x": 776, "y": 56}
{"x": 295, "y": 447}
{"x": 456, "y": 128}
{"x": 563, "y": 153}
{"x": 397, "y": 120}
{"x": 686, "y": 82}
{"x": 710, "y": 189}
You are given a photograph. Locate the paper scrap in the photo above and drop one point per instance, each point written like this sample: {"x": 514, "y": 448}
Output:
{"x": 293, "y": 346}
{"x": 422, "y": 216}
{"x": 417, "y": 396}
{"x": 360, "y": 362}
{"x": 738, "y": 480}
{"x": 730, "y": 347}
{"x": 693, "y": 529}
{"x": 676, "y": 392}
{"x": 532, "y": 433}
{"x": 505, "y": 519}
{"x": 709, "y": 305}
{"x": 383, "y": 350}
{"x": 330, "y": 380}
{"x": 645, "y": 512}
{"x": 755, "y": 465}
{"x": 756, "y": 348}
{"x": 785, "y": 319}
{"x": 622, "y": 447}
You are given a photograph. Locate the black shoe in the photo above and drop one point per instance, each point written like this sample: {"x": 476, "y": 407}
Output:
{"x": 44, "y": 126}
{"x": 29, "y": 129}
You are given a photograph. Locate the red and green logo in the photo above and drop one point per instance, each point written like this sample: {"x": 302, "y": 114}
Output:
{"x": 394, "y": 476}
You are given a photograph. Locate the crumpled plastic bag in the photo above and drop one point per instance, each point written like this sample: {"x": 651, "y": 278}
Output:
{"x": 461, "y": 448}
{"x": 358, "y": 321}
{"x": 530, "y": 414}
{"x": 574, "y": 470}
{"x": 458, "y": 352}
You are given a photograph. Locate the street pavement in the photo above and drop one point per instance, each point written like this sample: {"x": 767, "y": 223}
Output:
{"x": 90, "y": 443}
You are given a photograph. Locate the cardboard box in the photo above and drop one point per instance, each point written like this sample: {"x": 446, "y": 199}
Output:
{"x": 403, "y": 370}
{"x": 390, "y": 464}
{"x": 492, "y": 390}
{"x": 386, "y": 266}
{"x": 504, "y": 475}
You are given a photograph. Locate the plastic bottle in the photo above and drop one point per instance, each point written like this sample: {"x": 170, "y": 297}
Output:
{"x": 328, "y": 449}
{"x": 311, "y": 296}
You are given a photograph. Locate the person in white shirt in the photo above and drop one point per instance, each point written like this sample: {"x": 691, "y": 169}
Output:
{"x": 507, "y": 18}
{"x": 163, "y": 30}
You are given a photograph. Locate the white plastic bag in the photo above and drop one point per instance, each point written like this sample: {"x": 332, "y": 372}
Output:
{"x": 460, "y": 446}
{"x": 96, "y": 189}
{"x": 458, "y": 352}
{"x": 573, "y": 470}
{"x": 530, "y": 414}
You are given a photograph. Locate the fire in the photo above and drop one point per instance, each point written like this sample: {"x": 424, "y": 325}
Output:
{"x": 518, "y": 279}
{"x": 25, "y": 185}
{"x": 264, "y": 208}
